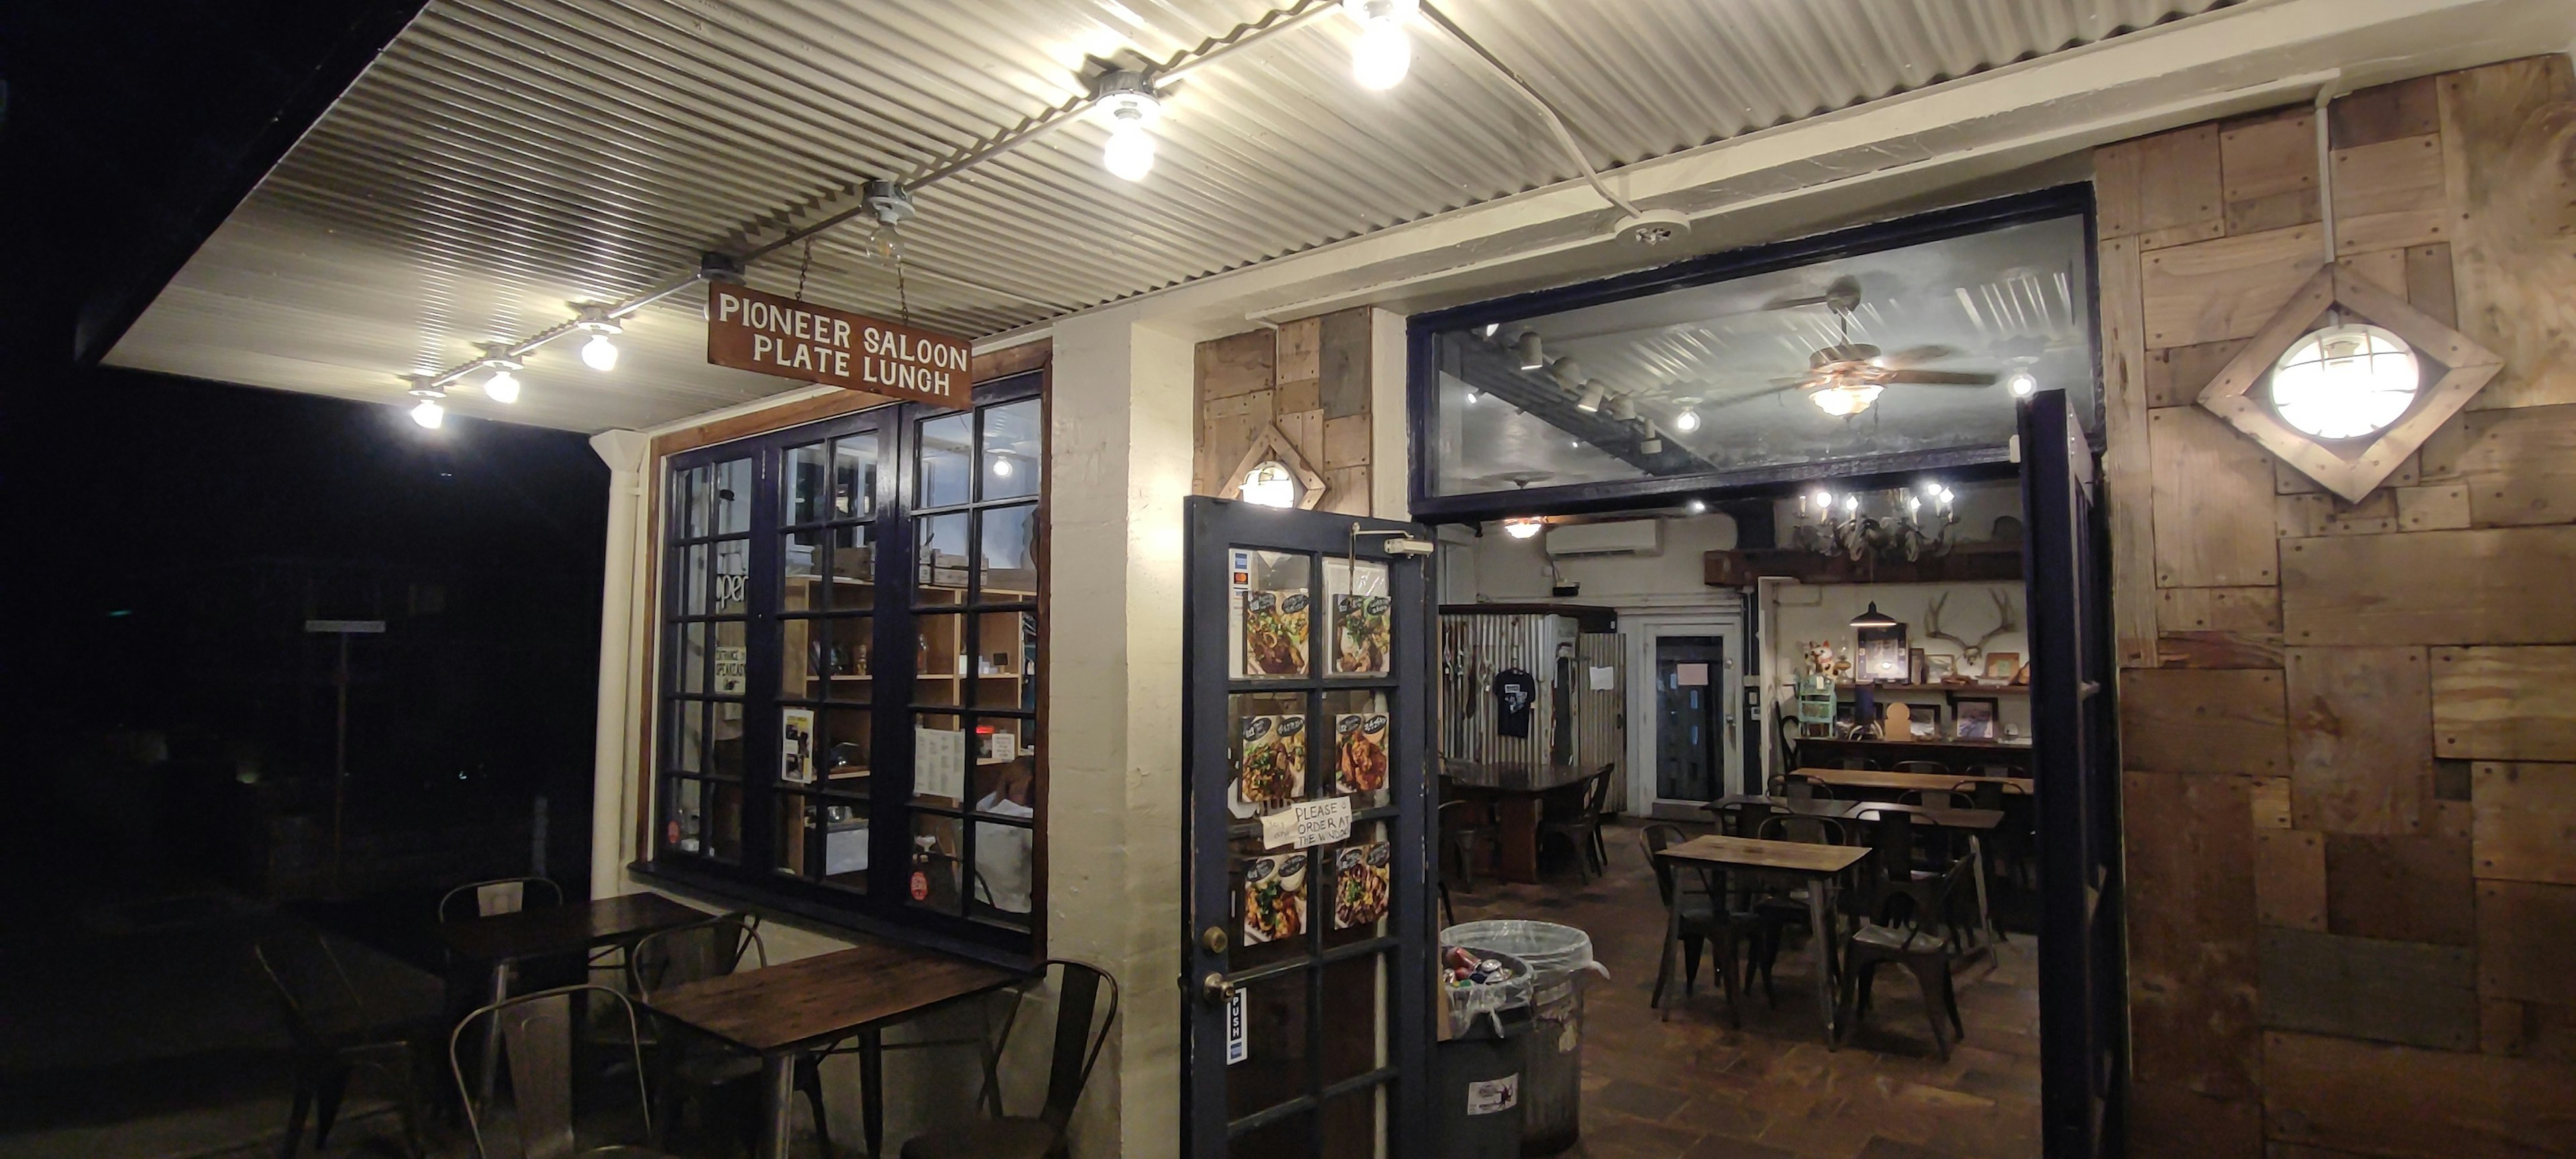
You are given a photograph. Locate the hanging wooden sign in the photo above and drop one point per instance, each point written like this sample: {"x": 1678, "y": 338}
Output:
{"x": 751, "y": 330}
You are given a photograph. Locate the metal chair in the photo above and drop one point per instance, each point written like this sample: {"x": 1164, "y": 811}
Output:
{"x": 1077, "y": 1051}
{"x": 1891, "y": 872}
{"x": 1581, "y": 828}
{"x": 335, "y": 1035}
{"x": 536, "y": 1032}
{"x": 1785, "y": 908}
{"x": 1804, "y": 788}
{"x": 681, "y": 1061}
{"x": 1696, "y": 916}
{"x": 1913, "y": 945}
{"x": 1740, "y": 818}
{"x": 1464, "y": 825}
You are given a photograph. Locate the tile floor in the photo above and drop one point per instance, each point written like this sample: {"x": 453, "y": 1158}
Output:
{"x": 1689, "y": 1086}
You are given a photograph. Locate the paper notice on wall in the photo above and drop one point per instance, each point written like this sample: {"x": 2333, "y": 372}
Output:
{"x": 1690, "y": 675}
{"x": 732, "y": 663}
{"x": 1494, "y": 1096}
{"x": 938, "y": 762}
{"x": 1604, "y": 678}
{"x": 1307, "y": 824}
{"x": 1238, "y": 1044}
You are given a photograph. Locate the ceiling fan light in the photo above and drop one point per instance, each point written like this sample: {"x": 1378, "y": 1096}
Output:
{"x": 1847, "y": 400}
{"x": 1686, "y": 422}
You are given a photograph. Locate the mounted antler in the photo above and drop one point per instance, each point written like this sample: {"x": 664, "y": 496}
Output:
{"x": 1967, "y": 651}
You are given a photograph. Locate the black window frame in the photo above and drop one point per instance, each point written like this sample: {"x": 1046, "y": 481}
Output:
{"x": 894, "y": 696}
{"x": 1422, "y": 396}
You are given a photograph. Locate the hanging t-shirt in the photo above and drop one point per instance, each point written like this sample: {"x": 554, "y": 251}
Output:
{"x": 1515, "y": 690}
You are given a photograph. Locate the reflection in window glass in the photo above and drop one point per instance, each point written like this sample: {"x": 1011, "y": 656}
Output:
{"x": 1010, "y": 551}
{"x": 805, "y": 487}
{"x": 733, "y": 497}
{"x": 845, "y": 844}
{"x": 939, "y": 863}
{"x": 1011, "y": 450}
{"x": 854, "y": 477}
{"x": 733, "y": 575}
{"x": 694, "y": 491}
{"x": 947, "y": 460}
{"x": 940, "y": 558}
{"x": 1902, "y": 350}
{"x": 1361, "y": 613}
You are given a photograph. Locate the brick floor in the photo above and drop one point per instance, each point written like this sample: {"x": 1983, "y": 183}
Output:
{"x": 1690, "y": 1086}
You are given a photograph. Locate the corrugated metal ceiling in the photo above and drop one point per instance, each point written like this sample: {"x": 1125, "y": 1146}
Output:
{"x": 507, "y": 155}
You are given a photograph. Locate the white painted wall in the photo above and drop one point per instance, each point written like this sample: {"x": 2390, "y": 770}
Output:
{"x": 1511, "y": 570}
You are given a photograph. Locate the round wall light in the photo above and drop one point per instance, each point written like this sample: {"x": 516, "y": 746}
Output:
{"x": 1270, "y": 485}
{"x": 2345, "y": 381}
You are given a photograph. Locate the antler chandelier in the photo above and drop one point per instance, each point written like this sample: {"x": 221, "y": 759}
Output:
{"x": 1891, "y": 523}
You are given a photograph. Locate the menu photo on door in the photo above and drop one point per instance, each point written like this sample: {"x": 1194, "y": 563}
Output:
{"x": 1360, "y": 883}
{"x": 1274, "y": 898}
{"x": 1275, "y": 633}
{"x": 1270, "y": 768}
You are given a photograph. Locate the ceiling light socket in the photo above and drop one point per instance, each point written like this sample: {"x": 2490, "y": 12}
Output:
{"x": 594, "y": 319}
{"x": 888, "y": 200}
{"x": 1127, "y": 97}
{"x": 1652, "y": 227}
{"x": 716, "y": 267}
{"x": 425, "y": 386}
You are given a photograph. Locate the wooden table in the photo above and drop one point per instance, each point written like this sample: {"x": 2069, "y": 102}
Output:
{"x": 503, "y": 940}
{"x": 1819, "y": 865}
{"x": 787, "y": 1009}
{"x": 1971, "y": 821}
{"x": 1516, "y": 788}
{"x": 1875, "y": 779}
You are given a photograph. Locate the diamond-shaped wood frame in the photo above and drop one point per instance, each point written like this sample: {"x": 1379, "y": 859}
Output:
{"x": 1275, "y": 445}
{"x": 2468, "y": 366}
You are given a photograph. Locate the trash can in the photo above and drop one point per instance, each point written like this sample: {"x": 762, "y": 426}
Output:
{"x": 1480, "y": 1065}
{"x": 1552, "y": 1083}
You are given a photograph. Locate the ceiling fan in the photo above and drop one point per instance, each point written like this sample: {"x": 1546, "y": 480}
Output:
{"x": 1846, "y": 377}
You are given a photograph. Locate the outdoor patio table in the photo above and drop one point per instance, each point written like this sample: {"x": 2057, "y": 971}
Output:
{"x": 1517, "y": 788}
{"x": 500, "y": 940}
{"x": 781, "y": 1011}
{"x": 1818, "y": 865}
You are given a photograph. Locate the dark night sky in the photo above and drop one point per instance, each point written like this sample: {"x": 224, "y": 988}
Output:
{"x": 166, "y": 537}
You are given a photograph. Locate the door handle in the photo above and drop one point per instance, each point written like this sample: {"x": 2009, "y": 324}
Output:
{"x": 1215, "y": 989}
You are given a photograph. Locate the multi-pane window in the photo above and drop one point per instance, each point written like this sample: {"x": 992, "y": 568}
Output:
{"x": 849, "y": 712}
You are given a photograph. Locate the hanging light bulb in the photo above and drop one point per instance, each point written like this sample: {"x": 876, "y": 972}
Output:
{"x": 1129, "y": 103}
{"x": 503, "y": 386}
{"x": 599, "y": 353}
{"x": 1527, "y": 350}
{"x": 2023, "y": 383}
{"x": 1686, "y": 422}
{"x": 1524, "y": 527}
{"x": 1384, "y": 51}
{"x": 429, "y": 414}
{"x": 1473, "y": 394}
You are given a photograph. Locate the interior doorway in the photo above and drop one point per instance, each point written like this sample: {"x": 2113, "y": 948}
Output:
{"x": 1694, "y": 722}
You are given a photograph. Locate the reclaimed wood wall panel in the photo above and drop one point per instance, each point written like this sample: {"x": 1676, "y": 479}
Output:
{"x": 2127, "y": 477}
{"x": 2516, "y": 467}
{"x": 1308, "y": 379}
{"x": 2289, "y": 878}
{"x": 2400, "y": 992}
{"x": 2361, "y": 739}
{"x": 2192, "y": 972}
{"x": 2377, "y": 1099}
{"x": 2213, "y": 291}
{"x": 2406, "y": 889}
{"x": 2394, "y": 891}
{"x": 2527, "y": 944}
{"x": 2499, "y": 586}
{"x": 2525, "y": 826}
{"x": 2214, "y": 516}
{"x": 2505, "y": 132}
{"x": 2175, "y": 720}
{"x": 2505, "y": 704}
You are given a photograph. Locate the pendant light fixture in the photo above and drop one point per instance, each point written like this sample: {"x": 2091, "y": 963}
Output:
{"x": 2347, "y": 379}
{"x": 1873, "y": 618}
{"x": 429, "y": 413}
{"x": 2023, "y": 383}
{"x": 1384, "y": 52}
{"x": 1686, "y": 422}
{"x": 1523, "y": 527}
{"x": 1128, "y": 104}
{"x": 503, "y": 386}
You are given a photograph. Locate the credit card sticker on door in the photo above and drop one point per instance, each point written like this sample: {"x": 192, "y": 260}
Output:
{"x": 1494, "y": 1096}
{"x": 1236, "y": 1047}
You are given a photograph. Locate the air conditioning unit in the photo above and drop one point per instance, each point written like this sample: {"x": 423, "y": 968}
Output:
{"x": 1626, "y": 537}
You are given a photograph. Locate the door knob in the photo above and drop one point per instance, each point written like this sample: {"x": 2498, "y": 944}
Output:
{"x": 1215, "y": 988}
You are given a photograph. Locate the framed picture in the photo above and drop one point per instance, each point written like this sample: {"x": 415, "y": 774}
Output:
{"x": 1938, "y": 668}
{"x": 1883, "y": 656}
{"x": 1976, "y": 718}
{"x": 1923, "y": 721}
{"x": 2002, "y": 665}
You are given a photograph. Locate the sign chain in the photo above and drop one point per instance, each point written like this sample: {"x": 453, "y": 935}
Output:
{"x": 803, "y": 268}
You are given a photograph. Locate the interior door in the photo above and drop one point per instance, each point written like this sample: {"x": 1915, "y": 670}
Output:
{"x": 1306, "y": 1026}
{"x": 2082, "y": 997}
{"x": 1690, "y": 711}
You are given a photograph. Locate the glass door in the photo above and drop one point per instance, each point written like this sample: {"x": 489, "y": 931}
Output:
{"x": 1308, "y": 709}
{"x": 1691, "y": 707}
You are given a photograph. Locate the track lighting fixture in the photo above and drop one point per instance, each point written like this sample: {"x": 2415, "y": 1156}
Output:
{"x": 1567, "y": 372}
{"x": 503, "y": 386}
{"x": 429, "y": 414}
{"x": 1590, "y": 402}
{"x": 1527, "y": 349}
{"x": 599, "y": 353}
